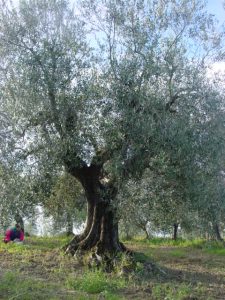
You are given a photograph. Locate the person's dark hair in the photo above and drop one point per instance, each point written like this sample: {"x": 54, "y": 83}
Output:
{"x": 18, "y": 226}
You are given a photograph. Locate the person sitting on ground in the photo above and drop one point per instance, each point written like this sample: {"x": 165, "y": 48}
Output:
{"x": 14, "y": 234}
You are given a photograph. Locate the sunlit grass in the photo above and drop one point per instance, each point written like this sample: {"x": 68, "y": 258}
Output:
{"x": 164, "y": 242}
{"x": 96, "y": 282}
{"x": 36, "y": 243}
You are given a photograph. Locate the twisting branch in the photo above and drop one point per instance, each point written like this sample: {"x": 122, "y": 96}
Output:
{"x": 172, "y": 101}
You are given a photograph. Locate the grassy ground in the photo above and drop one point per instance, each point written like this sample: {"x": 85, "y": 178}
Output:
{"x": 183, "y": 270}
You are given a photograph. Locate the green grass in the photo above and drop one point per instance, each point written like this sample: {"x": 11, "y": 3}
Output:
{"x": 14, "y": 286}
{"x": 39, "y": 270}
{"x": 170, "y": 292}
{"x": 167, "y": 242}
{"x": 141, "y": 257}
{"x": 177, "y": 253}
{"x": 34, "y": 243}
{"x": 95, "y": 282}
{"x": 176, "y": 292}
{"x": 216, "y": 250}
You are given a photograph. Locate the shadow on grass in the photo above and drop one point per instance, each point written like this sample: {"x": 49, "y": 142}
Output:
{"x": 141, "y": 257}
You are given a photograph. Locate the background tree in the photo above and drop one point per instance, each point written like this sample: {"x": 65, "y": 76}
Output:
{"x": 66, "y": 203}
{"x": 18, "y": 199}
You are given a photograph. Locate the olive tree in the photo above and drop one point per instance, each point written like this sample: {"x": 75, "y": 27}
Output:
{"x": 99, "y": 108}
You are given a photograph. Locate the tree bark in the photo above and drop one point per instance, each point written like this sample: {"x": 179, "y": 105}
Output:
{"x": 143, "y": 227}
{"x": 69, "y": 224}
{"x": 19, "y": 220}
{"x": 175, "y": 231}
{"x": 101, "y": 231}
{"x": 216, "y": 230}
{"x": 147, "y": 234}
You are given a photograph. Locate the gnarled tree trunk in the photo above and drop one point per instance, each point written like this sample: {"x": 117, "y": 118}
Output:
{"x": 101, "y": 232}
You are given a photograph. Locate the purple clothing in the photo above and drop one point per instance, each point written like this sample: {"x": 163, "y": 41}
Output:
{"x": 13, "y": 234}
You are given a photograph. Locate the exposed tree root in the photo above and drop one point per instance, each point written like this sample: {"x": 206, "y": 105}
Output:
{"x": 95, "y": 253}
